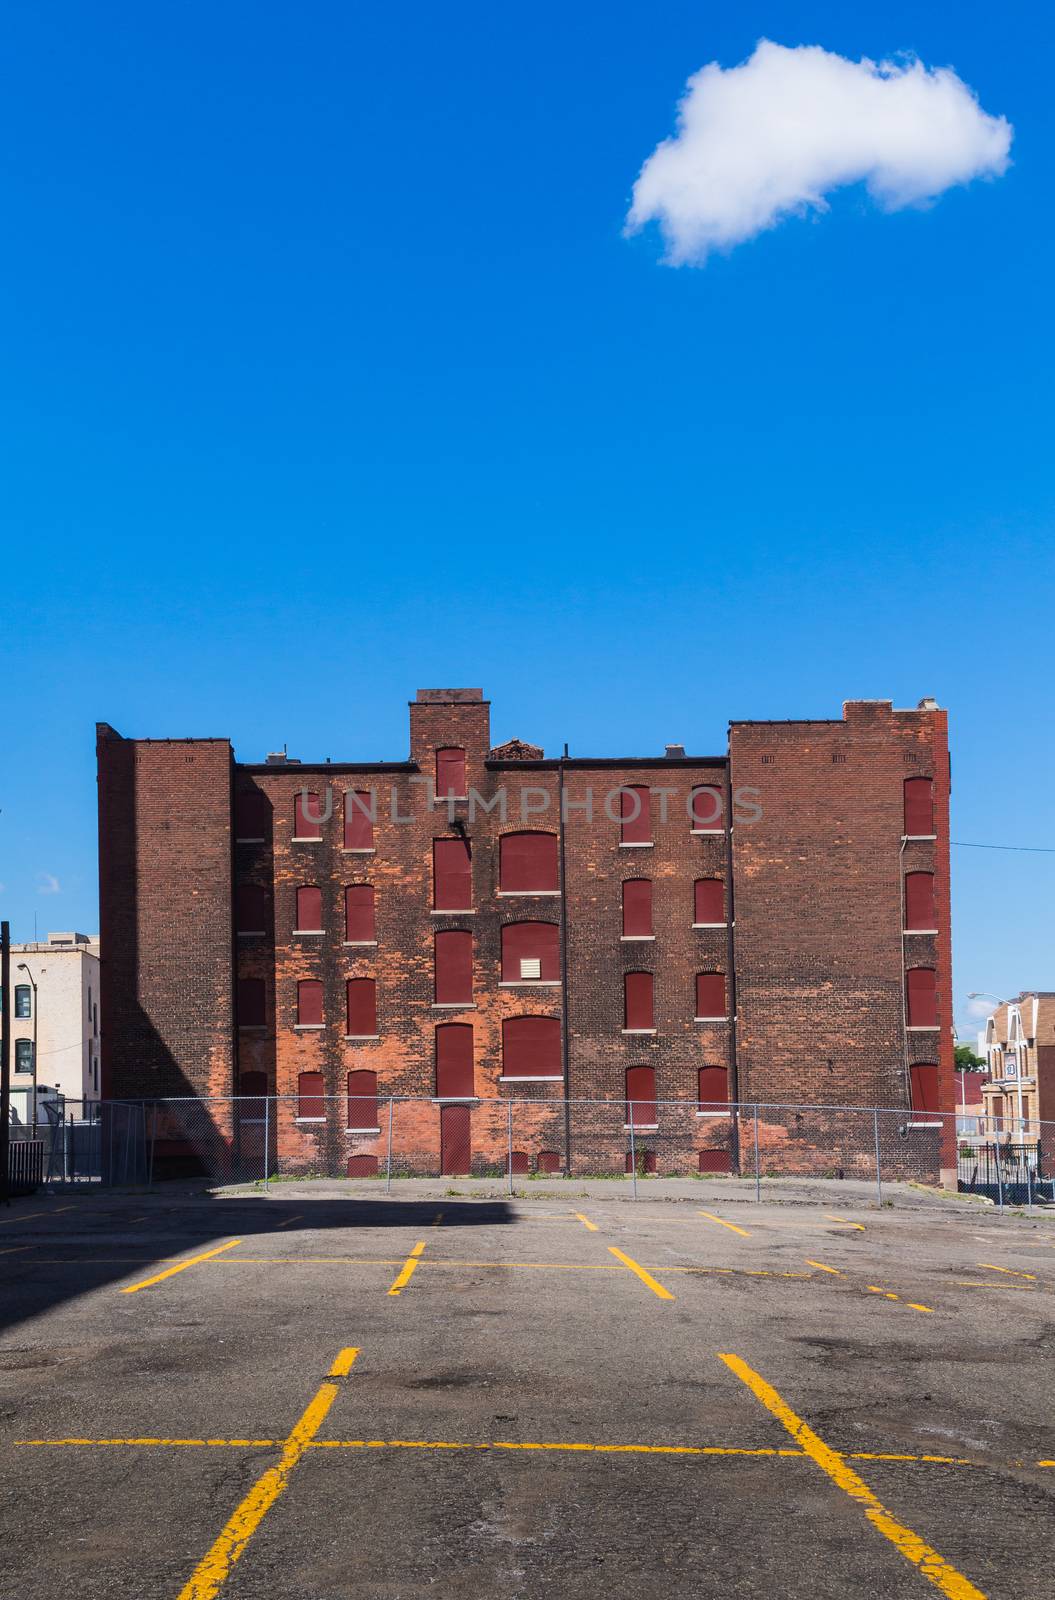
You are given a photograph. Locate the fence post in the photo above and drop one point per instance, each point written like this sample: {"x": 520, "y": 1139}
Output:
{"x": 153, "y": 1142}
{"x": 758, "y": 1170}
{"x": 267, "y": 1139}
{"x": 388, "y": 1163}
{"x": 999, "y": 1174}
{"x": 509, "y": 1141}
{"x": 1029, "y": 1178}
{"x": 879, "y": 1175}
{"x": 633, "y": 1151}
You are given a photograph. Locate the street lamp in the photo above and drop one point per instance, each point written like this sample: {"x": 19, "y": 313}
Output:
{"x": 1012, "y": 1005}
{"x": 23, "y": 968}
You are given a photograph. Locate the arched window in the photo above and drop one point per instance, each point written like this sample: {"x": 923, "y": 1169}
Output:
{"x": 638, "y": 1009}
{"x": 530, "y": 952}
{"x": 455, "y": 1078}
{"x": 531, "y": 1048}
{"x": 450, "y": 774}
{"x": 309, "y": 909}
{"x": 453, "y": 968}
{"x": 307, "y": 815}
{"x": 311, "y": 1097}
{"x": 527, "y": 863}
{"x": 637, "y": 908}
{"x": 713, "y": 1089}
{"x": 707, "y": 808}
{"x": 361, "y": 995}
{"x": 919, "y": 808}
{"x": 710, "y": 997}
{"x": 924, "y": 1079}
{"x": 452, "y": 875}
{"x": 309, "y": 1003}
{"x": 641, "y": 1097}
{"x": 708, "y": 903}
{"x": 635, "y": 812}
{"x": 919, "y": 902}
{"x": 921, "y": 997}
{"x": 360, "y": 814}
{"x": 250, "y": 908}
{"x": 359, "y": 921}
{"x": 362, "y": 1100}
{"x": 361, "y": 1167}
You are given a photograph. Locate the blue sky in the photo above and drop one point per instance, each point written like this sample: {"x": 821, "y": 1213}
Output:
{"x": 328, "y": 373}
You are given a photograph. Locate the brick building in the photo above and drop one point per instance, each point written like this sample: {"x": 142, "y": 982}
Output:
{"x": 480, "y": 923}
{"x": 1019, "y": 1046}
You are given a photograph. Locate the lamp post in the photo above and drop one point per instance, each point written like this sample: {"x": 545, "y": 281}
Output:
{"x": 1012, "y": 1005}
{"x": 23, "y": 968}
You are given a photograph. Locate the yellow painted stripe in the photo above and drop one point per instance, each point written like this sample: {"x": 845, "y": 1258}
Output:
{"x": 932, "y": 1566}
{"x": 646, "y": 1277}
{"x": 723, "y": 1224}
{"x": 845, "y": 1222}
{"x": 225, "y": 1443}
{"x": 343, "y": 1362}
{"x": 1008, "y": 1288}
{"x": 1009, "y": 1270}
{"x": 586, "y": 1222}
{"x": 820, "y": 1264}
{"x": 914, "y": 1305}
{"x": 407, "y": 1270}
{"x": 170, "y": 1272}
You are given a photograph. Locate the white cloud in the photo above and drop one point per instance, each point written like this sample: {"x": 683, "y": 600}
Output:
{"x": 47, "y": 883}
{"x": 770, "y": 138}
{"x": 980, "y": 1009}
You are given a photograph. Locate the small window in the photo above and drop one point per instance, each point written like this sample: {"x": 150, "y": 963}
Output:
{"x": 23, "y": 1000}
{"x": 250, "y": 908}
{"x": 528, "y": 942}
{"x": 531, "y": 1047}
{"x": 714, "y": 1089}
{"x": 309, "y": 1003}
{"x": 309, "y": 909}
{"x": 924, "y": 1079}
{"x": 454, "y": 1061}
{"x": 527, "y": 863}
{"x": 641, "y": 1097}
{"x": 23, "y": 1055}
{"x": 638, "y": 1010}
{"x": 921, "y": 991}
{"x": 361, "y": 1167}
{"x": 919, "y": 901}
{"x": 359, "y": 919}
{"x": 637, "y": 908}
{"x": 360, "y": 814}
{"x": 547, "y": 1161}
{"x": 450, "y": 775}
{"x": 452, "y": 875}
{"x": 707, "y": 809}
{"x": 252, "y": 816}
{"x": 645, "y": 1160}
{"x": 715, "y": 1161}
{"x": 311, "y": 1097}
{"x": 252, "y": 1090}
{"x": 710, "y": 996}
{"x": 519, "y": 1163}
{"x": 362, "y": 1100}
{"x": 919, "y": 807}
{"x": 453, "y": 968}
{"x": 635, "y": 812}
{"x": 251, "y": 1004}
{"x": 307, "y": 815}
{"x": 253, "y": 1083}
{"x": 361, "y": 1007}
{"x": 708, "y": 904}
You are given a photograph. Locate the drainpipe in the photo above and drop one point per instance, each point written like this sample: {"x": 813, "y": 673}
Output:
{"x": 565, "y": 1026}
{"x": 730, "y": 962}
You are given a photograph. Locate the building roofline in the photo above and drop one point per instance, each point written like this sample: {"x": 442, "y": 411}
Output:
{"x": 319, "y": 768}
{"x": 551, "y": 763}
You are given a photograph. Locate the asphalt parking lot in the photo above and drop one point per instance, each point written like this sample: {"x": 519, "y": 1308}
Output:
{"x": 292, "y": 1396}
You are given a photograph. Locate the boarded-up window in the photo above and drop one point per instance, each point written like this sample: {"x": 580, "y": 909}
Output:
{"x": 362, "y": 1167}
{"x": 359, "y": 924}
{"x": 519, "y": 1162}
{"x": 309, "y": 1003}
{"x": 454, "y": 968}
{"x": 252, "y": 1088}
{"x": 715, "y": 1161}
{"x": 253, "y": 1083}
{"x": 362, "y": 1006}
{"x": 919, "y": 901}
{"x": 635, "y": 812}
{"x": 311, "y": 1098}
{"x": 307, "y": 815}
{"x": 637, "y": 908}
{"x": 707, "y": 809}
{"x": 641, "y": 1096}
{"x": 450, "y": 774}
{"x": 919, "y": 807}
{"x": 452, "y": 875}
{"x": 644, "y": 1160}
{"x": 708, "y": 905}
{"x": 531, "y": 1047}
{"x": 547, "y": 1161}
{"x": 530, "y": 942}
{"x": 360, "y": 810}
{"x": 714, "y": 1088}
{"x": 251, "y": 1012}
{"x": 309, "y": 909}
{"x": 250, "y": 908}
{"x": 710, "y": 994}
{"x": 252, "y": 814}
{"x": 638, "y": 1011}
{"x": 924, "y": 1077}
{"x": 454, "y": 1060}
{"x": 362, "y": 1099}
{"x": 527, "y": 863}
{"x": 921, "y": 989}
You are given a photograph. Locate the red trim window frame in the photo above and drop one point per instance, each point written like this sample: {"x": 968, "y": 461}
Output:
{"x": 360, "y": 814}
{"x": 452, "y": 875}
{"x": 362, "y": 1101}
{"x": 635, "y": 814}
{"x": 307, "y": 815}
{"x": 361, "y": 1008}
{"x": 637, "y": 908}
{"x": 712, "y": 999}
{"x": 451, "y": 782}
{"x": 527, "y": 863}
{"x": 639, "y": 1002}
{"x": 360, "y": 918}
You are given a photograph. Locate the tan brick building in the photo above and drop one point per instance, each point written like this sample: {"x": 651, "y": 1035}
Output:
{"x": 1019, "y": 1045}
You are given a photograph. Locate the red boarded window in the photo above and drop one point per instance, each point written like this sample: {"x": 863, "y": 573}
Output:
{"x": 454, "y": 1061}
{"x": 454, "y": 968}
{"x": 362, "y": 1006}
{"x": 637, "y": 908}
{"x": 250, "y": 908}
{"x": 311, "y": 1097}
{"x": 708, "y": 901}
{"x": 309, "y": 1003}
{"x": 547, "y": 1161}
{"x": 362, "y": 1100}
{"x": 362, "y": 1167}
{"x": 635, "y": 811}
{"x": 707, "y": 808}
{"x": 359, "y": 926}
{"x": 527, "y": 862}
{"x": 919, "y": 807}
{"x": 530, "y": 952}
{"x": 714, "y": 1088}
{"x": 450, "y": 774}
{"x": 452, "y": 875}
{"x": 360, "y": 810}
{"x": 919, "y": 901}
{"x": 641, "y": 1096}
{"x": 638, "y": 1011}
{"x": 645, "y": 1160}
{"x": 251, "y": 1013}
{"x": 307, "y": 815}
{"x": 715, "y": 1161}
{"x": 921, "y": 987}
{"x": 252, "y": 814}
{"x": 254, "y": 1083}
{"x": 924, "y": 1077}
{"x": 252, "y": 1086}
{"x": 710, "y": 994}
{"x": 309, "y": 909}
{"x": 519, "y": 1162}
{"x": 531, "y": 1047}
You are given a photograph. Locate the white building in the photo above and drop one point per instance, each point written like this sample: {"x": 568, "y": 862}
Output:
{"x": 55, "y": 1022}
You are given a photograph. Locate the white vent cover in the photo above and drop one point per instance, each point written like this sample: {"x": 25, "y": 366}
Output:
{"x": 530, "y": 967}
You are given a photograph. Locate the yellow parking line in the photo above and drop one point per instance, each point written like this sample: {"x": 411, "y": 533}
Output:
{"x": 646, "y": 1278}
{"x": 407, "y": 1270}
{"x": 722, "y": 1223}
{"x": 170, "y": 1272}
{"x": 1010, "y": 1288}
{"x": 343, "y": 1362}
{"x": 929, "y": 1563}
{"x": 1009, "y": 1270}
{"x": 833, "y": 1270}
{"x": 845, "y": 1222}
{"x": 586, "y": 1222}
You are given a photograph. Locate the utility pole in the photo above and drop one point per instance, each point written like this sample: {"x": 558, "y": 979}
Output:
{"x": 5, "y": 1058}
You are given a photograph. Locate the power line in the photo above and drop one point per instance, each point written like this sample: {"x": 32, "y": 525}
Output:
{"x": 1033, "y": 849}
